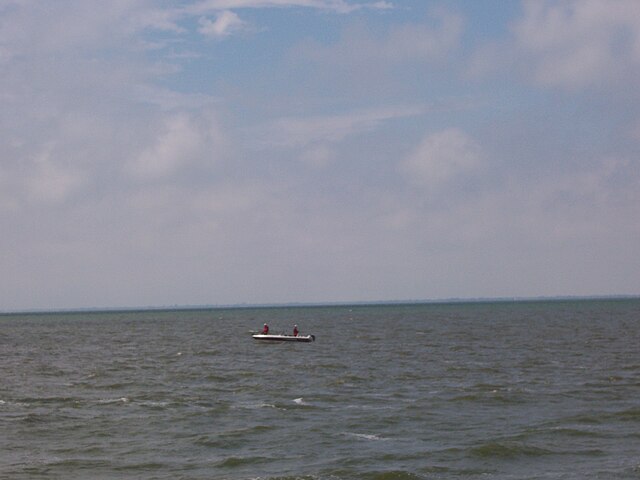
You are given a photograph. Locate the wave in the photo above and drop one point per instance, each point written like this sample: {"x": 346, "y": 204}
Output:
{"x": 603, "y": 417}
{"x": 124, "y": 384}
{"x": 256, "y": 406}
{"x": 576, "y": 432}
{"x": 392, "y": 475}
{"x": 492, "y": 397}
{"x": 10, "y": 403}
{"x": 43, "y": 401}
{"x": 291, "y": 477}
{"x": 365, "y": 436}
{"x": 232, "y": 438}
{"x": 344, "y": 473}
{"x": 301, "y": 402}
{"x": 628, "y": 415}
{"x": 513, "y": 450}
{"x": 234, "y": 462}
{"x": 508, "y": 450}
{"x": 105, "y": 401}
{"x": 80, "y": 463}
{"x": 153, "y": 404}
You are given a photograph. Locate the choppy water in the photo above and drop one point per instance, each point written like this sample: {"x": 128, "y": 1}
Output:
{"x": 538, "y": 390}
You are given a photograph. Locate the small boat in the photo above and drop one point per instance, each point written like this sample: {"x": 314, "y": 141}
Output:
{"x": 283, "y": 338}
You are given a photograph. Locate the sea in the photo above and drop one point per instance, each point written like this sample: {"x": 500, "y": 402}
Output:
{"x": 464, "y": 390}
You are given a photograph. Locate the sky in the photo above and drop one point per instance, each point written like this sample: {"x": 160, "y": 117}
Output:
{"x": 215, "y": 152}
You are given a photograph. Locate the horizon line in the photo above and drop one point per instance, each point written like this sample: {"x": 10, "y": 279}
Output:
{"x": 241, "y": 305}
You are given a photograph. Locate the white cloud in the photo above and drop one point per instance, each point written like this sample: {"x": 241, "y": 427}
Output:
{"x": 442, "y": 156}
{"x": 225, "y": 24}
{"x": 182, "y": 142}
{"x": 580, "y": 43}
{"x": 301, "y": 131}
{"x": 171, "y": 100}
{"x": 634, "y": 131}
{"x": 71, "y": 26}
{"x": 338, "y": 6}
{"x": 50, "y": 182}
{"x": 318, "y": 156}
{"x": 360, "y": 47}
{"x": 422, "y": 42}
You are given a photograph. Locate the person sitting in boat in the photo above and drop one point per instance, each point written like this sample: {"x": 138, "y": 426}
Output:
{"x": 265, "y": 329}
{"x": 295, "y": 330}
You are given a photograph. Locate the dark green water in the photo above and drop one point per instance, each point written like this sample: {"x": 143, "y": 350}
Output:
{"x": 528, "y": 390}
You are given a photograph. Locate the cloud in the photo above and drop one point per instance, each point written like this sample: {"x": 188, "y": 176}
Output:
{"x": 170, "y": 100}
{"x": 318, "y": 156}
{"x": 425, "y": 41}
{"x": 441, "y": 157}
{"x": 294, "y": 132}
{"x": 578, "y": 209}
{"x": 76, "y": 26}
{"x": 337, "y": 6}
{"x": 228, "y": 22}
{"x": 403, "y": 59}
{"x": 225, "y": 24}
{"x": 182, "y": 142}
{"x": 51, "y": 182}
{"x": 579, "y": 43}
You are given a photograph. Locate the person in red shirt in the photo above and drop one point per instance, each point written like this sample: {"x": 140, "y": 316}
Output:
{"x": 265, "y": 329}
{"x": 295, "y": 330}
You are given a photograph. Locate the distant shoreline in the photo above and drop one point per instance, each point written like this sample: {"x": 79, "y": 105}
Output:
{"x": 239, "y": 306}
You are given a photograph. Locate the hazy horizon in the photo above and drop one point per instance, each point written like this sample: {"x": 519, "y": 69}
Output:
{"x": 240, "y": 306}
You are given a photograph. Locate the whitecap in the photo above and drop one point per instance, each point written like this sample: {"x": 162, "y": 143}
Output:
{"x": 105, "y": 401}
{"x": 150, "y": 403}
{"x": 365, "y": 436}
{"x": 14, "y": 404}
{"x": 252, "y": 406}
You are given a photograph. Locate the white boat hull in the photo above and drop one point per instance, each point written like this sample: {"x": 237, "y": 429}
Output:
{"x": 283, "y": 338}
